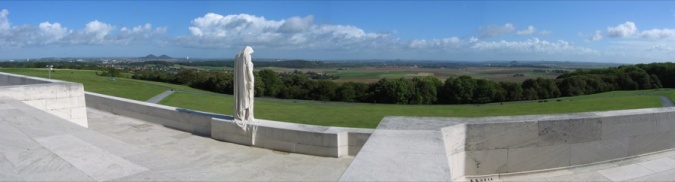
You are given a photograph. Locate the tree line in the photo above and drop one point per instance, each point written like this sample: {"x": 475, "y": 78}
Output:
{"x": 428, "y": 90}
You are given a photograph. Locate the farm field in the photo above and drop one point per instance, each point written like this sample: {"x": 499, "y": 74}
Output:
{"x": 372, "y": 74}
{"x": 346, "y": 114}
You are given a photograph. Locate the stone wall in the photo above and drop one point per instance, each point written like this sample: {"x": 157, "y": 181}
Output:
{"x": 60, "y": 98}
{"x": 290, "y": 137}
{"x": 517, "y": 144}
{"x": 180, "y": 119}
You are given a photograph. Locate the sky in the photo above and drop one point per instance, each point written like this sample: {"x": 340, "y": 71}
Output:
{"x": 586, "y": 31}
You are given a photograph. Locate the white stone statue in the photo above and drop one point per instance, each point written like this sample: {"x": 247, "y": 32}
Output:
{"x": 243, "y": 91}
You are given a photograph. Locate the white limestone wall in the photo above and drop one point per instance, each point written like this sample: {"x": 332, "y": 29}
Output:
{"x": 60, "y": 98}
{"x": 554, "y": 141}
{"x": 171, "y": 117}
{"x": 296, "y": 138}
{"x": 290, "y": 137}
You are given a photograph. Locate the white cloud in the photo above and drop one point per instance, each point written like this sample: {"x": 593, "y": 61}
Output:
{"x": 93, "y": 33}
{"x": 214, "y": 30}
{"x": 435, "y": 43}
{"x": 596, "y": 36}
{"x": 658, "y": 33}
{"x": 296, "y": 24}
{"x": 530, "y": 30}
{"x": 473, "y": 40}
{"x": 495, "y": 31}
{"x": 4, "y": 21}
{"x": 52, "y": 32}
{"x": 623, "y": 30}
{"x": 97, "y": 28}
{"x": 533, "y": 45}
{"x": 660, "y": 48}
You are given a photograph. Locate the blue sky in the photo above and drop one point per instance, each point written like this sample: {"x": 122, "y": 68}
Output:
{"x": 595, "y": 31}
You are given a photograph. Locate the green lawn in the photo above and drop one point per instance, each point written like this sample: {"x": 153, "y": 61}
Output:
{"x": 120, "y": 87}
{"x": 346, "y": 114}
{"x": 369, "y": 115}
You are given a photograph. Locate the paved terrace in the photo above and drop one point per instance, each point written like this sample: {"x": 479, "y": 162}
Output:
{"x": 37, "y": 146}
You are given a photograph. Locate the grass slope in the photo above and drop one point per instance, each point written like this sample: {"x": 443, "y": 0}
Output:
{"x": 369, "y": 115}
{"x": 121, "y": 87}
{"x": 346, "y": 114}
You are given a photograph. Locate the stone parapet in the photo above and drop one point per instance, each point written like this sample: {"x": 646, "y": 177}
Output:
{"x": 494, "y": 145}
{"x": 282, "y": 136}
{"x": 63, "y": 99}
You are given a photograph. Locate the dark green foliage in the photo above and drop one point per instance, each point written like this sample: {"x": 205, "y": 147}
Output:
{"x": 424, "y": 90}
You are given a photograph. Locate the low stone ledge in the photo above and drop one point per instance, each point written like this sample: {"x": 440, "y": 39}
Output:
{"x": 60, "y": 98}
{"x": 289, "y": 137}
{"x": 296, "y": 138}
{"x": 171, "y": 117}
{"x": 496, "y": 145}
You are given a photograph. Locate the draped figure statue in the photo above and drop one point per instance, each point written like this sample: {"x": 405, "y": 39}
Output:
{"x": 243, "y": 91}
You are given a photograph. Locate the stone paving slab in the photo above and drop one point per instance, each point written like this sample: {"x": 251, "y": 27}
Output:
{"x": 123, "y": 149}
{"x": 393, "y": 154}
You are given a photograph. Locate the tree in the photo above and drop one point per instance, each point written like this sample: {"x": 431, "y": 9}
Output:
{"x": 345, "y": 93}
{"x": 324, "y": 91}
{"x": 514, "y": 92}
{"x": 391, "y": 91}
{"x": 425, "y": 90}
{"x": 272, "y": 82}
{"x": 484, "y": 92}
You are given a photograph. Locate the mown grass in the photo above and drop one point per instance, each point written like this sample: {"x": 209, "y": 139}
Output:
{"x": 369, "y": 115}
{"x": 120, "y": 87}
{"x": 346, "y": 114}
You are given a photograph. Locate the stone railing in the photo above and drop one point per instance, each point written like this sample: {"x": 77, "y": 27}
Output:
{"x": 290, "y": 137}
{"x": 486, "y": 147}
{"x": 60, "y": 98}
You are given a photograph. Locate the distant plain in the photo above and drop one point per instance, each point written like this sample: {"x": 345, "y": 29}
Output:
{"x": 341, "y": 113}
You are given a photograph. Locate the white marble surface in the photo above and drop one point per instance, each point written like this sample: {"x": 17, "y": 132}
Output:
{"x": 123, "y": 149}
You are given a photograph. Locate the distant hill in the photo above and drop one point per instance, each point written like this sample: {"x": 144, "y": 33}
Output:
{"x": 152, "y": 56}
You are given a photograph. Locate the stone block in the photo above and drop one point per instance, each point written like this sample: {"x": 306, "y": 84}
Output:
{"x": 16, "y": 92}
{"x": 454, "y": 138}
{"x": 626, "y": 126}
{"x": 40, "y": 104}
{"x": 318, "y": 150}
{"x": 665, "y": 121}
{"x": 62, "y": 90}
{"x": 597, "y": 151}
{"x": 88, "y": 158}
{"x": 659, "y": 165}
{"x": 480, "y": 162}
{"x": 79, "y": 101}
{"x": 650, "y": 142}
{"x": 227, "y": 131}
{"x": 554, "y": 132}
{"x": 289, "y": 135}
{"x": 40, "y": 92}
{"x": 307, "y": 137}
{"x": 354, "y": 149}
{"x": 334, "y": 139}
{"x": 202, "y": 131}
{"x": 535, "y": 158}
{"x": 501, "y": 135}
{"x": 60, "y": 103}
{"x": 275, "y": 144}
{"x": 199, "y": 120}
{"x": 358, "y": 139}
{"x": 62, "y": 113}
{"x": 626, "y": 172}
